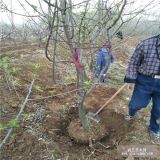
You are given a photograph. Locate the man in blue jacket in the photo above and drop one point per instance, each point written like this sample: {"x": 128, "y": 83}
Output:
{"x": 143, "y": 74}
{"x": 104, "y": 60}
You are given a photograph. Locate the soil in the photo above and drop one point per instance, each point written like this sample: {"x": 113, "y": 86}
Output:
{"x": 95, "y": 133}
{"x": 43, "y": 132}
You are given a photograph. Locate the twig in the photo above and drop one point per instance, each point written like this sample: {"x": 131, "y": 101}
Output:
{"x": 107, "y": 147}
{"x": 15, "y": 90}
{"x": 63, "y": 61}
{"x": 18, "y": 116}
{"x": 11, "y": 11}
{"x": 6, "y": 74}
{"x": 61, "y": 9}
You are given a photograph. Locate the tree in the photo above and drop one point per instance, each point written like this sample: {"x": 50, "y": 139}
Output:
{"x": 73, "y": 26}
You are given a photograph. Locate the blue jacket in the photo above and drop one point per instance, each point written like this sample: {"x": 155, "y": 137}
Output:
{"x": 102, "y": 57}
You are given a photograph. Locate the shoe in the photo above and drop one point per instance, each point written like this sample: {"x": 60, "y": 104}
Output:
{"x": 128, "y": 117}
{"x": 136, "y": 116}
{"x": 155, "y": 137}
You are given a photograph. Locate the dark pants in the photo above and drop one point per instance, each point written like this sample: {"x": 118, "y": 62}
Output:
{"x": 147, "y": 88}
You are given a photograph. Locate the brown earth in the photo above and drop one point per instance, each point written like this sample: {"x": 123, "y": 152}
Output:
{"x": 95, "y": 133}
{"x": 43, "y": 139}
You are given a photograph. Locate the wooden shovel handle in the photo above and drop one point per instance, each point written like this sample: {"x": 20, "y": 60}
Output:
{"x": 119, "y": 90}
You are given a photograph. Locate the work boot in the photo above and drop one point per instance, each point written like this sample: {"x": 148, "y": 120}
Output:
{"x": 128, "y": 117}
{"x": 155, "y": 137}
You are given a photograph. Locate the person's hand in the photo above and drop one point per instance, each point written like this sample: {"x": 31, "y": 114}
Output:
{"x": 130, "y": 86}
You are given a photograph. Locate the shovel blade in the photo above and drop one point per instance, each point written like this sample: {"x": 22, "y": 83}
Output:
{"x": 93, "y": 117}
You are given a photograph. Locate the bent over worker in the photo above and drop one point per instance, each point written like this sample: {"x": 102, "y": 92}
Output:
{"x": 143, "y": 74}
{"x": 104, "y": 60}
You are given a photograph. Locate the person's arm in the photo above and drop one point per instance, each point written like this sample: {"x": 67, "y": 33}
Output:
{"x": 132, "y": 71}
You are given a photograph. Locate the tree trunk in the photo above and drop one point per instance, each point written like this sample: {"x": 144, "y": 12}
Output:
{"x": 80, "y": 75}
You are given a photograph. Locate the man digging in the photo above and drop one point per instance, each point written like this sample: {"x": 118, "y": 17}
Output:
{"x": 143, "y": 74}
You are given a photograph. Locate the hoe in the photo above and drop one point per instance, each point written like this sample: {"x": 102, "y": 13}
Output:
{"x": 94, "y": 116}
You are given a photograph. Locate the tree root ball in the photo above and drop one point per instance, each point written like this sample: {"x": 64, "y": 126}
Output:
{"x": 96, "y": 133}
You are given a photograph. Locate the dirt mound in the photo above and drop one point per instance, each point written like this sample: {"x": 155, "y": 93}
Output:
{"x": 76, "y": 131}
{"x": 111, "y": 129}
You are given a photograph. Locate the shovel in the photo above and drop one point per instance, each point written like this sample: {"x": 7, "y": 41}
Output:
{"x": 94, "y": 116}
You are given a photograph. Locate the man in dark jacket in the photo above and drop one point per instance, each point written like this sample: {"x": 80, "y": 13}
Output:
{"x": 143, "y": 74}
